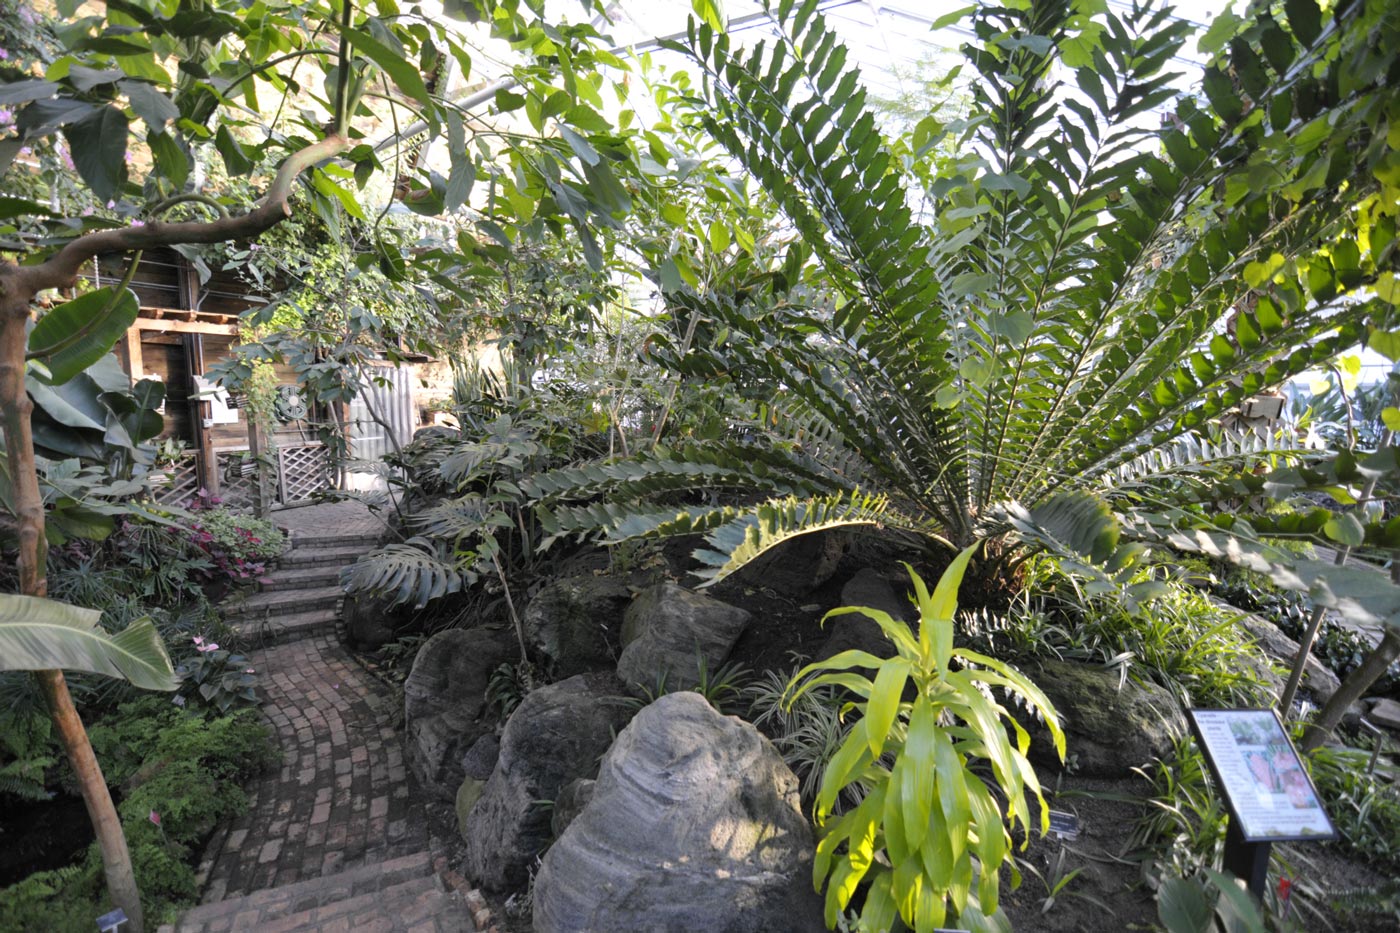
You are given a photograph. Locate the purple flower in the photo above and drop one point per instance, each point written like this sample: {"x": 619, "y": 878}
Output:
{"x": 4, "y": 54}
{"x": 138, "y": 223}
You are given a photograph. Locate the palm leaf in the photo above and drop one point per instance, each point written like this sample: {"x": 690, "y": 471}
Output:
{"x": 38, "y": 634}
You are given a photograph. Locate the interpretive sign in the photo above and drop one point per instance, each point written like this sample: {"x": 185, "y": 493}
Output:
{"x": 1270, "y": 796}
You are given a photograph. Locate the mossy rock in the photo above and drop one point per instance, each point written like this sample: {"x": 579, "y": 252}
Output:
{"x": 467, "y": 796}
{"x": 1109, "y": 729}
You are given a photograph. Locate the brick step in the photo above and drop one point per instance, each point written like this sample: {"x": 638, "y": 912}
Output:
{"x": 389, "y": 895}
{"x": 300, "y": 578}
{"x": 322, "y": 556}
{"x": 286, "y": 627}
{"x": 279, "y": 603}
{"x": 301, "y": 540}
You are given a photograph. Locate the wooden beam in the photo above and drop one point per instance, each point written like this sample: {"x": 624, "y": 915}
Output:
{"x": 186, "y": 327}
{"x": 208, "y": 463}
{"x": 135, "y": 361}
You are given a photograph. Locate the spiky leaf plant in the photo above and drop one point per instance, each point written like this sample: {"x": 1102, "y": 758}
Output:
{"x": 1111, "y": 267}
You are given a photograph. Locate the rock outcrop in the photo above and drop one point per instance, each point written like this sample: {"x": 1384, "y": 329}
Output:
{"x": 694, "y": 824}
{"x": 445, "y": 702}
{"x": 556, "y": 735}
{"x": 669, "y": 631}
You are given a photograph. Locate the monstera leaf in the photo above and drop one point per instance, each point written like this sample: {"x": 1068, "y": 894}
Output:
{"x": 39, "y": 634}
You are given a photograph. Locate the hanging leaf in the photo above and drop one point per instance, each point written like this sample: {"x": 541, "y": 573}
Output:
{"x": 98, "y": 145}
{"x": 149, "y": 104}
{"x": 78, "y": 333}
{"x": 403, "y": 72}
{"x": 44, "y": 634}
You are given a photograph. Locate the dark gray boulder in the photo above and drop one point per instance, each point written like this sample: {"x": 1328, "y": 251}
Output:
{"x": 556, "y": 735}
{"x": 576, "y": 623}
{"x": 669, "y": 630}
{"x": 570, "y": 803}
{"x": 445, "y": 702}
{"x": 480, "y": 760}
{"x": 798, "y": 566}
{"x": 371, "y": 621}
{"x": 870, "y": 590}
{"x": 694, "y": 824}
{"x": 1317, "y": 677}
{"x": 1108, "y": 730}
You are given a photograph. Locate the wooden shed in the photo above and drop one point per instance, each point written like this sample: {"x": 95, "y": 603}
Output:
{"x": 184, "y": 327}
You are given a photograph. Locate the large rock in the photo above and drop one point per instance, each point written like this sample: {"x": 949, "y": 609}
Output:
{"x": 445, "y": 702}
{"x": 870, "y": 590}
{"x": 372, "y": 621}
{"x": 799, "y": 565}
{"x": 1317, "y": 677}
{"x": 669, "y": 630}
{"x": 556, "y": 735}
{"x": 577, "y": 623}
{"x": 1108, "y": 730}
{"x": 1385, "y": 712}
{"x": 694, "y": 824}
{"x": 570, "y": 803}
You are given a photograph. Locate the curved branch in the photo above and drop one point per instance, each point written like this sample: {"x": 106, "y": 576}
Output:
{"x": 60, "y": 269}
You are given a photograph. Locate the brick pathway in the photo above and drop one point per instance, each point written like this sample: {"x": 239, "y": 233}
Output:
{"x": 335, "y": 839}
{"x": 342, "y": 790}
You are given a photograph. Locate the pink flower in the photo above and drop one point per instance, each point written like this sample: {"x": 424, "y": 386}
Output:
{"x": 250, "y": 671}
{"x": 4, "y": 54}
{"x": 155, "y": 817}
{"x": 138, "y": 223}
{"x": 198, "y": 641}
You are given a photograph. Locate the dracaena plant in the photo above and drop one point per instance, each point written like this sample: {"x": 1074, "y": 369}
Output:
{"x": 929, "y": 836}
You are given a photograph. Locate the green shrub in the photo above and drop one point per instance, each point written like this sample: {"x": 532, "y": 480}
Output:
{"x": 1364, "y": 807}
{"x": 180, "y": 767}
{"x": 239, "y": 546}
{"x": 1181, "y": 639}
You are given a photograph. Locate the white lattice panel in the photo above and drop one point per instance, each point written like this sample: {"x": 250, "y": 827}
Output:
{"x": 302, "y": 471}
{"x": 181, "y": 483}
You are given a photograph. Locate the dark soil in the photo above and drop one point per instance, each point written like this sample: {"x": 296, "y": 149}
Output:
{"x": 41, "y": 836}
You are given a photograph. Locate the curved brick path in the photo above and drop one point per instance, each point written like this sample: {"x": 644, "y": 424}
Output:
{"x": 335, "y": 838}
{"x": 342, "y": 790}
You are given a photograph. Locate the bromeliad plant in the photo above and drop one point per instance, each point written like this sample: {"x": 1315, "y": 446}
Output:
{"x": 930, "y": 834}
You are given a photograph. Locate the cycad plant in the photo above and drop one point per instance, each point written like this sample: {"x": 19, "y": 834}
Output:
{"x": 1110, "y": 267}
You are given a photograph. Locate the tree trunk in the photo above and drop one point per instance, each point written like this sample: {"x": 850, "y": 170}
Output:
{"x": 1352, "y": 689}
{"x": 116, "y": 859}
{"x": 33, "y": 581}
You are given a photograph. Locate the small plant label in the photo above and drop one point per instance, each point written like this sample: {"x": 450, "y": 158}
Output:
{"x": 1270, "y": 796}
{"x": 114, "y": 922}
{"x": 1065, "y": 825}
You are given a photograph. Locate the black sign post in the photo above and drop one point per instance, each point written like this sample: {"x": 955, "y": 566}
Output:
{"x": 1268, "y": 792}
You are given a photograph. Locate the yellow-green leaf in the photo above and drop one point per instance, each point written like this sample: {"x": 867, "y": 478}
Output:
{"x": 883, "y": 705}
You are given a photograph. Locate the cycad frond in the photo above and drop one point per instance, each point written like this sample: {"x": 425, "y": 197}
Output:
{"x": 737, "y": 542}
